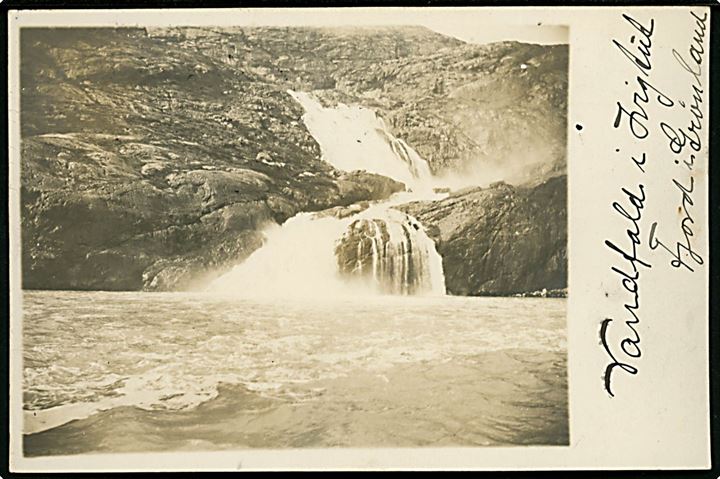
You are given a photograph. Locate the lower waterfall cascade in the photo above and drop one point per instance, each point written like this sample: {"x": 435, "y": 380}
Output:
{"x": 395, "y": 252}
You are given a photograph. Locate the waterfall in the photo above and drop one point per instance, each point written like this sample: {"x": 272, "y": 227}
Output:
{"x": 378, "y": 250}
{"x": 355, "y": 138}
{"x": 297, "y": 260}
{"x": 306, "y": 256}
{"x": 394, "y": 251}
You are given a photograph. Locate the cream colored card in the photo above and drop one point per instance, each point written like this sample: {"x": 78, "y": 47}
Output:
{"x": 359, "y": 238}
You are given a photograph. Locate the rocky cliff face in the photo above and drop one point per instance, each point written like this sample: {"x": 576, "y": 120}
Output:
{"x": 152, "y": 158}
{"x": 500, "y": 240}
{"x": 487, "y": 112}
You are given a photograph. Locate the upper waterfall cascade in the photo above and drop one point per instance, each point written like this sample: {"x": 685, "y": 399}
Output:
{"x": 355, "y": 138}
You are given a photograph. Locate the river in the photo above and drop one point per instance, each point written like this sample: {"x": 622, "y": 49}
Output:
{"x": 114, "y": 372}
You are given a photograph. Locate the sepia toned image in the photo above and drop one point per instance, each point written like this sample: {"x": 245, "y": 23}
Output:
{"x": 273, "y": 237}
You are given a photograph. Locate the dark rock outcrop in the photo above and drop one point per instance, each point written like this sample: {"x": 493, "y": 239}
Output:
{"x": 139, "y": 236}
{"x": 500, "y": 240}
{"x": 355, "y": 252}
{"x": 389, "y": 252}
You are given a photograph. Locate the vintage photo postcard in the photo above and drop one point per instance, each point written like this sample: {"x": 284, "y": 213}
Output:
{"x": 359, "y": 238}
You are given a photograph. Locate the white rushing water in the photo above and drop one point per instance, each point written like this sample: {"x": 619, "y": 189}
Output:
{"x": 355, "y": 138}
{"x": 394, "y": 250}
{"x": 299, "y": 257}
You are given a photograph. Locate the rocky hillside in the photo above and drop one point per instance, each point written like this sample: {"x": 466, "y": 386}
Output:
{"x": 500, "y": 240}
{"x": 495, "y": 111}
{"x": 478, "y": 113}
{"x": 152, "y": 158}
{"x": 150, "y": 164}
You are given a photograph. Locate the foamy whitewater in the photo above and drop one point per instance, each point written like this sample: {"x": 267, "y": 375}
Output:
{"x": 298, "y": 258}
{"x": 121, "y": 372}
{"x": 355, "y": 138}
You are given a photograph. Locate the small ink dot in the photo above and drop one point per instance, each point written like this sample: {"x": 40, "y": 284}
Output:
{"x": 617, "y": 150}
{"x": 677, "y": 162}
{"x": 632, "y": 39}
{"x": 578, "y": 127}
{"x": 626, "y": 83}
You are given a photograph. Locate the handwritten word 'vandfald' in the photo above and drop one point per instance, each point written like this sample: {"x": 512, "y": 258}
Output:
{"x": 634, "y": 116}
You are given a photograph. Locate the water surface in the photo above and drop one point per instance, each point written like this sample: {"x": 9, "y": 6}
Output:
{"x": 122, "y": 372}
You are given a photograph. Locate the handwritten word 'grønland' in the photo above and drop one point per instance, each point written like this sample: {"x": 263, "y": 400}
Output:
{"x": 684, "y": 142}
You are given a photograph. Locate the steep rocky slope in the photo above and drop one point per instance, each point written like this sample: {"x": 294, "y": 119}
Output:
{"x": 152, "y": 158}
{"x": 500, "y": 240}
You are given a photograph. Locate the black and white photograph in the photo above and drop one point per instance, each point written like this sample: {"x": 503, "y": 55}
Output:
{"x": 292, "y": 237}
{"x": 358, "y": 238}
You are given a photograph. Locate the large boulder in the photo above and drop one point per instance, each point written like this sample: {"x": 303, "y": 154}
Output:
{"x": 500, "y": 240}
{"x": 392, "y": 253}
